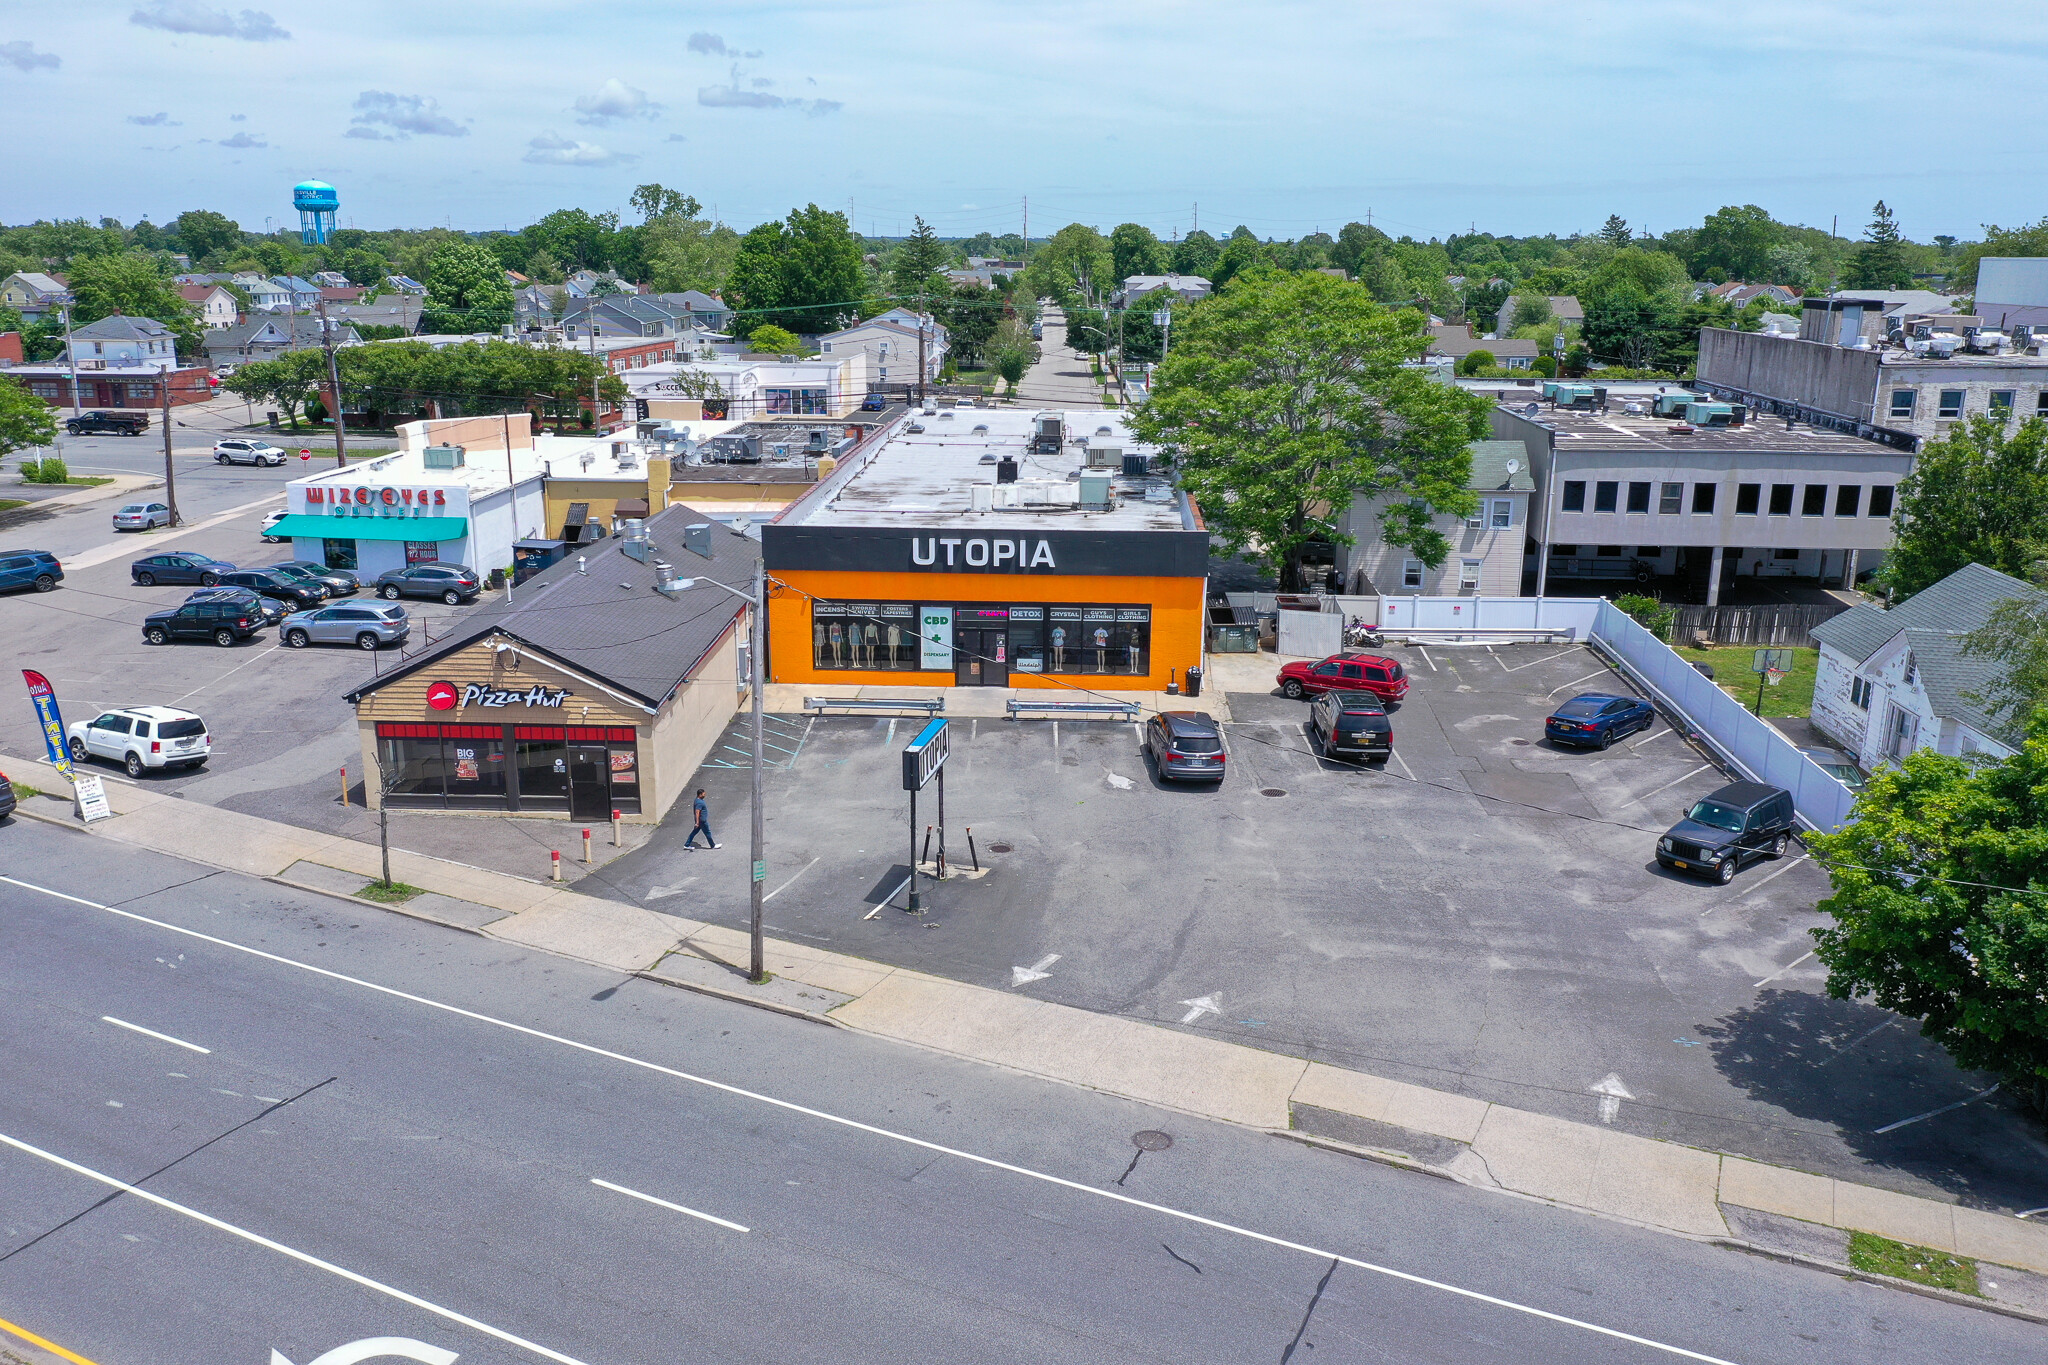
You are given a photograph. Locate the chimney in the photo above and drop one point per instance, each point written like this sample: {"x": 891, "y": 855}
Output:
{"x": 697, "y": 538}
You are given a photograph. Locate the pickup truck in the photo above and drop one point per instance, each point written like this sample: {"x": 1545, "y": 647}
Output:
{"x": 118, "y": 423}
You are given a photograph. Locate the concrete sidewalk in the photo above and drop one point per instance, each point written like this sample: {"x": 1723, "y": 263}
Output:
{"x": 1588, "y": 1167}
{"x": 784, "y": 699}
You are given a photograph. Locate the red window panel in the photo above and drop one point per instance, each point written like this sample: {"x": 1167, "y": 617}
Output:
{"x": 389, "y": 730}
{"x": 622, "y": 734}
{"x": 472, "y": 731}
{"x": 537, "y": 732}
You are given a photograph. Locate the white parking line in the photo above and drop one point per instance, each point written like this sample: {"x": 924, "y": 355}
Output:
{"x": 786, "y": 885}
{"x": 1546, "y": 659}
{"x": 1426, "y": 659}
{"x": 258, "y": 1239}
{"x": 1784, "y": 969}
{"x": 231, "y": 672}
{"x": 1754, "y": 887}
{"x": 1575, "y": 682}
{"x": 1674, "y": 782}
{"x": 709, "y": 1218}
{"x": 1395, "y": 754}
{"x": 792, "y": 1107}
{"x": 1654, "y": 734}
{"x": 160, "y": 1037}
{"x": 144, "y": 544}
{"x": 1943, "y": 1110}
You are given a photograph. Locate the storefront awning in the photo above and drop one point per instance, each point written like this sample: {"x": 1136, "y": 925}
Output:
{"x": 422, "y": 529}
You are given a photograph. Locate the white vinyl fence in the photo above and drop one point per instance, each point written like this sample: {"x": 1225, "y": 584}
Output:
{"x": 1754, "y": 747}
{"x": 1454, "y": 616}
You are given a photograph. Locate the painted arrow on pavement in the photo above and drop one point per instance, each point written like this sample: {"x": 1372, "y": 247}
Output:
{"x": 1199, "y": 1006}
{"x": 1611, "y": 1092}
{"x": 374, "y": 1348}
{"x": 1024, "y": 976}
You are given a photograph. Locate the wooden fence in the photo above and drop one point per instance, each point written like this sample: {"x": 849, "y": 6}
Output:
{"x": 1778, "y": 624}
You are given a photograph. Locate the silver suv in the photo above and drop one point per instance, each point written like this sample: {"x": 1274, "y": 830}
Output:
{"x": 142, "y": 737}
{"x": 235, "y": 450}
{"x": 366, "y": 626}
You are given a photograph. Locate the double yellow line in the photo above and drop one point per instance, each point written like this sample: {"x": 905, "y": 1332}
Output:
{"x": 32, "y": 1339}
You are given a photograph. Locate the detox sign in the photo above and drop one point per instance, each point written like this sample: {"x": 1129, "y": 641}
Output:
{"x": 935, "y": 637}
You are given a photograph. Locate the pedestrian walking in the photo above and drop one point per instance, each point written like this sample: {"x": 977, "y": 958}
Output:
{"x": 703, "y": 825}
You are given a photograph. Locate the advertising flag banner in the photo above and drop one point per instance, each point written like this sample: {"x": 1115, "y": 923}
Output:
{"x": 50, "y": 718}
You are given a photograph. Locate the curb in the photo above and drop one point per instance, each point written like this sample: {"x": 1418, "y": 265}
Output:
{"x": 377, "y": 905}
{"x": 718, "y": 993}
{"x": 1849, "y": 1272}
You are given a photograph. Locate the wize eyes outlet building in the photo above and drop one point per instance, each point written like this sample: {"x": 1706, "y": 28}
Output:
{"x": 991, "y": 548}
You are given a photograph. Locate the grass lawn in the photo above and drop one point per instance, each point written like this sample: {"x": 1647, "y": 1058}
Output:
{"x": 9, "y": 504}
{"x": 89, "y": 481}
{"x": 1921, "y": 1265}
{"x": 23, "y": 791}
{"x": 1793, "y": 696}
{"x": 391, "y": 894}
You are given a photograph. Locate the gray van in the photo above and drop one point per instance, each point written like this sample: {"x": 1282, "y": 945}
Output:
{"x": 1738, "y": 824}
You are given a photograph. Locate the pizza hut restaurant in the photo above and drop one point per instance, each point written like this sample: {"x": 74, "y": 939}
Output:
{"x": 594, "y": 692}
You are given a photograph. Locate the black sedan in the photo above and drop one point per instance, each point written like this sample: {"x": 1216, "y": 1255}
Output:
{"x": 187, "y": 567}
{"x": 452, "y": 583}
{"x": 1594, "y": 720}
{"x": 276, "y": 586}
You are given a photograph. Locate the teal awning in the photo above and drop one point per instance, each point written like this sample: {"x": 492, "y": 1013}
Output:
{"x": 423, "y": 529}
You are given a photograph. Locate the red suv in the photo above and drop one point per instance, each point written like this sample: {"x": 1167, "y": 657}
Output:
{"x": 1348, "y": 672}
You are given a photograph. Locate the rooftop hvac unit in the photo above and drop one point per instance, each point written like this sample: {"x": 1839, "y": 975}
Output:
{"x": 633, "y": 538}
{"x": 1710, "y": 414}
{"x": 1134, "y": 466}
{"x": 816, "y": 440}
{"x": 1048, "y": 434}
{"x": 697, "y": 538}
{"x": 1006, "y": 470}
{"x": 1105, "y": 456}
{"x": 442, "y": 457}
{"x": 1094, "y": 491}
{"x": 981, "y": 497}
{"x": 1670, "y": 404}
{"x": 1944, "y": 345}
{"x": 586, "y": 459}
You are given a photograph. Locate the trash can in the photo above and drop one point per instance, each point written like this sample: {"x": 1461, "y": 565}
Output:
{"x": 1194, "y": 687}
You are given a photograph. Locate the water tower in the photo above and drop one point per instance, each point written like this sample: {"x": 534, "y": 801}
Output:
{"x": 317, "y": 202}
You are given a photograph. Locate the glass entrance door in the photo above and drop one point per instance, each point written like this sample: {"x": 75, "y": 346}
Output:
{"x": 589, "y": 783}
{"x": 981, "y": 658}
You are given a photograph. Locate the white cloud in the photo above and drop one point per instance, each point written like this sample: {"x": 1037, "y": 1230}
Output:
{"x": 711, "y": 45}
{"x": 238, "y": 118}
{"x": 187, "y": 16}
{"x": 369, "y": 134}
{"x": 731, "y": 96}
{"x": 154, "y": 121}
{"x": 676, "y": 137}
{"x": 24, "y": 57}
{"x": 242, "y": 140}
{"x": 550, "y": 149}
{"x": 615, "y": 100}
{"x": 406, "y": 114}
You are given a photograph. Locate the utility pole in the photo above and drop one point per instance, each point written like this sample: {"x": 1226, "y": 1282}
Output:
{"x": 71, "y": 355}
{"x": 595, "y": 410}
{"x": 757, "y": 841}
{"x": 921, "y": 392}
{"x": 333, "y": 391}
{"x": 1027, "y": 230}
{"x": 170, "y": 476}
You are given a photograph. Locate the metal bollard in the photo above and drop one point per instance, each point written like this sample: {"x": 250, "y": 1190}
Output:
{"x": 586, "y": 845}
{"x": 344, "y": 787}
{"x": 555, "y": 862}
{"x": 615, "y": 829}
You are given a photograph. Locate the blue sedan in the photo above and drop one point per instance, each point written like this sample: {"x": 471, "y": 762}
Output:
{"x": 187, "y": 567}
{"x": 1594, "y": 720}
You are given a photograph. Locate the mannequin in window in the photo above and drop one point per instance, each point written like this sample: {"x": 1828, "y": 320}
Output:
{"x": 1059, "y": 648}
{"x": 838, "y": 636}
{"x": 867, "y": 641}
{"x": 895, "y": 635}
{"x": 818, "y": 641}
{"x": 1131, "y": 653}
{"x": 1101, "y": 649}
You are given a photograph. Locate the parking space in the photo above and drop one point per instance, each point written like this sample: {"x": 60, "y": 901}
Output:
{"x": 1483, "y": 913}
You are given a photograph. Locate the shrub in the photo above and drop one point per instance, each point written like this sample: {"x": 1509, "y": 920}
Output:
{"x": 1649, "y": 613}
{"x": 769, "y": 339}
{"x": 49, "y": 469}
{"x": 1475, "y": 361}
{"x": 1546, "y": 366}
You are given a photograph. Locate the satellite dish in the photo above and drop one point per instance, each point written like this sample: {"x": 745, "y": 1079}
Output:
{"x": 1530, "y": 409}
{"x": 1514, "y": 466}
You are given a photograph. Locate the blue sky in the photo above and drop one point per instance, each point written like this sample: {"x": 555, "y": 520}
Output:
{"x": 1283, "y": 116}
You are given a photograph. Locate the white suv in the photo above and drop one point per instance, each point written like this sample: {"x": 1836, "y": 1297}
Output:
{"x": 139, "y": 737}
{"x": 237, "y": 451}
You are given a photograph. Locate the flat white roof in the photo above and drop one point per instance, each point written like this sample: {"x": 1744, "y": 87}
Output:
{"x": 926, "y": 478}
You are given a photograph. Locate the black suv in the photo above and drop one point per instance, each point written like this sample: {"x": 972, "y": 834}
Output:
{"x": 452, "y": 583}
{"x": 1738, "y": 824}
{"x": 1352, "y": 725}
{"x": 298, "y": 595}
{"x": 222, "y": 620}
{"x": 116, "y": 423}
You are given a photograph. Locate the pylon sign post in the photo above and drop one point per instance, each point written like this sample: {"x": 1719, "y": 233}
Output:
{"x": 924, "y": 759}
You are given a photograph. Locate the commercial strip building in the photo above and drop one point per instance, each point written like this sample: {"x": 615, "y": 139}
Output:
{"x": 1624, "y": 492}
{"x": 998, "y": 548}
{"x": 753, "y": 386}
{"x": 595, "y": 691}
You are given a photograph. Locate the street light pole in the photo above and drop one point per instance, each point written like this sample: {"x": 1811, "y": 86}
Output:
{"x": 334, "y": 391}
{"x": 71, "y": 357}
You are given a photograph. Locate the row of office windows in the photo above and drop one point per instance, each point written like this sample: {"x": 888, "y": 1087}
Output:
{"x": 1749, "y": 497}
{"x": 1999, "y": 403}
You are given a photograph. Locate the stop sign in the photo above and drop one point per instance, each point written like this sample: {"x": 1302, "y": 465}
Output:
{"x": 305, "y": 454}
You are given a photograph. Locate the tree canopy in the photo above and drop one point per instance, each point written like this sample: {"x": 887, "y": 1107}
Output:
{"x": 1285, "y": 394}
{"x": 1978, "y": 494}
{"x": 404, "y": 377}
{"x": 466, "y": 291}
{"x": 804, "y": 272}
{"x": 1880, "y": 262}
{"x": 915, "y": 269}
{"x": 25, "y": 420}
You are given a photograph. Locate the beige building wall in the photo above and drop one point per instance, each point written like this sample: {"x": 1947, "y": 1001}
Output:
{"x": 691, "y": 724}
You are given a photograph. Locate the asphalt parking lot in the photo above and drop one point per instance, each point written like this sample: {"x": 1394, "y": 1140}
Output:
{"x": 1483, "y": 915}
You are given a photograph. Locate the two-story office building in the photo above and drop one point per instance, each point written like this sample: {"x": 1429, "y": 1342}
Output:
{"x": 1626, "y": 493}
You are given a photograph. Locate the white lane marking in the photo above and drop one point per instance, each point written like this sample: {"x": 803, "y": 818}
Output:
{"x": 1784, "y": 969}
{"x": 1654, "y": 734}
{"x": 114, "y": 549}
{"x": 786, "y": 885}
{"x": 1574, "y": 682}
{"x": 709, "y": 1218}
{"x": 655, "y": 893}
{"x": 231, "y": 672}
{"x": 160, "y": 1037}
{"x": 1395, "y": 754}
{"x": 890, "y": 738}
{"x": 856, "y": 1125}
{"x": 1943, "y": 1110}
{"x": 1858, "y": 1041}
{"x": 1426, "y": 659}
{"x": 1201, "y": 1005}
{"x": 281, "y": 1249}
{"x": 1674, "y": 782}
{"x": 375, "y": 1348}
{"x": 1611, "y": 1092}
{"x": 1544, "y": 660}
{"x": 1756, "y": 886}
{"x": 1037, "y": 971}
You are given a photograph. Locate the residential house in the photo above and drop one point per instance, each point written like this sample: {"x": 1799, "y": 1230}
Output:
{"x": 1189, "y": 288}
{"x": 404, "y": 284}
{"x": 585, "y": 283}
{"x": 331, "y": 279}
{"x": 708, "y": 312}
{"x": 758, "y": 385}
{"x": 1486, "y": 547}
{"x": 264, "y": 338}
{"x": 1564, "y": 310}
{"x": 393, "y": 310}
{"x": 1739, "y": 296}
{"x": 33, "y": 294}
{"x": 891, "y": 344}
{"x": 332, "y": 294}
{"x": 623, "y": 315}
{"x": 304, "y": 294}
{"x": 265, "y": 294}
{"x": 120, "y": 362}
{"x": 1454, "y": 342}
{"x": 1892, "y": 682}
{"x": 123, "y": 343}
{"x": 540, "y": 305}
{"x": 217, "y": 307}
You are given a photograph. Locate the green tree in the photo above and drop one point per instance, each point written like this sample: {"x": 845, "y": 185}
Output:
{"x": 1615, "y": 231}
{"x": 25, "y": 420}
{"x": 1880, "y": 262}
{"x": 806, "y": 269}
{"x": 970, "y": 313}
{"x": 688, "y": 253}
{"x": 915, "y": 268}
{"x": 1242, "y": 252}
{"x": 135, "y": 286}
{"x": 1475, "y": 361}
{"x": 768, "y": 339}
{"x": 1134, "y": 250}
{"x": 277, "y": 258}
{"x": 1011, "y": 351}
{"x": 1194, "y": 254}
{"x": 203, "y": 234}
{"x": 657, "y": 201}
{"x": 2014, "y": 638}
{"x": 1940, "y": 905}
{"x": 1532, "y": 310}
{"x": 1290, "y": 393}
{"x": 1074, "y": 266}
{"x": 1356, "y": 241}
{"x": 466, "y": 290}
{"x": 1649, "y": 270}
{"x": 290, "y": 380}
{"x": 1979, "y": 494}
{"x": 1735, "y": 243}
{"x": 1626, "y": 326}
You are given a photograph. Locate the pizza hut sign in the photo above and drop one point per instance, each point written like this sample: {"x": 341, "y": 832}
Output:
{"x": 447, "y": 696}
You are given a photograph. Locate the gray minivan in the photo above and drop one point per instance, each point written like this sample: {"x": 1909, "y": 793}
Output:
{"x": 1738, "y": 824}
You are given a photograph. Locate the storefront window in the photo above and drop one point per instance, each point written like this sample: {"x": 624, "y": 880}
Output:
{"x": 339, "y": 554}
{"x": 800, "y": 402}
{"x": 1021, "y": 638}
{"x": 421, "y": 552}
{"x": 864, "y": 635}
{"x": 524, "y": 767}
{"x": 414, "y": 773}
{"x": 543, "y": 768}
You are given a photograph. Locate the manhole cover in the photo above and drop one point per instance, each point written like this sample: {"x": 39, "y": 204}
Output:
{"x": 1518, "y": 741}
{"x": 999, "y": 848}
{"x": 1271, "y": 791}
{"x": 1152, "y": 1140}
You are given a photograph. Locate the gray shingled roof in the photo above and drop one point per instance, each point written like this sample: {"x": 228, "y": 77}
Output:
{"x": 608, "y": 621}
{"x": 1490, "y": 468}
{"x": 116, "y": 327}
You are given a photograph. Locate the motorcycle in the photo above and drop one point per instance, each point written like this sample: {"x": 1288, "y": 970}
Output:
{"x": 1359, "y": 635}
